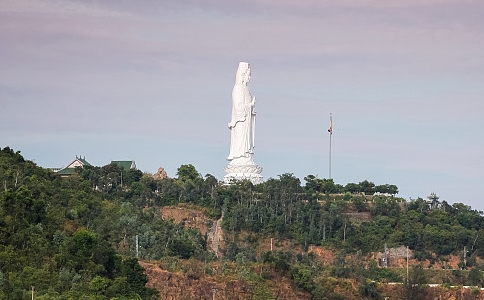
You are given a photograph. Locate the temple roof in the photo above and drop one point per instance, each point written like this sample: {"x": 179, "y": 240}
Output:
{"x": 71, "y": 168}
{"x": 125, "y": 164}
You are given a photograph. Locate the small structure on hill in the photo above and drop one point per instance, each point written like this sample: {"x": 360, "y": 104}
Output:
{"x": 71, "y": 168}
{"x": 125, "y": 164}
{"x": 393, "y": 255}
{"x": 81, "y": 162}
{"x": 433, "y": 201}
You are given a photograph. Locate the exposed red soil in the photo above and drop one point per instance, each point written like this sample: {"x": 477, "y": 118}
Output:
{"x": 190, "y": 217}
{"x": 191, "y": 285}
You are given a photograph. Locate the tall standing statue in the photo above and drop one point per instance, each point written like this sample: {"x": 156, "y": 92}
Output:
{"x": 242, "y": 129}
{"x": 242, "y": 124}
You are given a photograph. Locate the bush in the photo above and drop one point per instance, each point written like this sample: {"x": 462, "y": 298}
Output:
{"x": 368, "y": 289}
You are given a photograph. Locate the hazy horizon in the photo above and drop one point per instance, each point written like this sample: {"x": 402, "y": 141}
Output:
{"x": 151, "y": 81}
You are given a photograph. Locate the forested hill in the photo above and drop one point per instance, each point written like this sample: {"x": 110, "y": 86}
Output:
{"x": 75, "y": 238}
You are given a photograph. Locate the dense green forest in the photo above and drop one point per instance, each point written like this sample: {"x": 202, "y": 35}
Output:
{"x": 74, "y": 238}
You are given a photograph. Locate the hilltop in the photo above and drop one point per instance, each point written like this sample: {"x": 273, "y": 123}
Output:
{"x": 109, "y": 233}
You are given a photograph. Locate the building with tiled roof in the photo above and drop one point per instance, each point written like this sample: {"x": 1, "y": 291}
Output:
{"x": 71, "y": 168}
{"x": 125, "y": 164}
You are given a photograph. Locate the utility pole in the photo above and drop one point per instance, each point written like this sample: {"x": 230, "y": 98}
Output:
{"x": 32, "y": 292}
{"x": 330, "y": 130}
{"x": 407, "y": 264}
{"x": 344, "y": 232}
{"x": 385, "y": 256}
{"x": 137, "y": 246}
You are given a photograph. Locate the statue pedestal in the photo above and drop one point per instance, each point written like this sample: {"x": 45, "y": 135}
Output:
{"x": 243, "y": 171}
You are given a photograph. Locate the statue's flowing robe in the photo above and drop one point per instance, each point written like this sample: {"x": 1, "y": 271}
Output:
{"x": 242, "y": 122}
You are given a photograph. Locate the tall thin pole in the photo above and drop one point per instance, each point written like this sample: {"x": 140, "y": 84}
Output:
{"x": 385, "y": 256}
{"x": 407, "y": 264}
{"x": 330, "y": 130}
{"x": 137, "y": 246}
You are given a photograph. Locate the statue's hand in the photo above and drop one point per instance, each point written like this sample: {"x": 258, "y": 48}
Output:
{"x": 253, "y": 101}
{"x": 231, "y": 125}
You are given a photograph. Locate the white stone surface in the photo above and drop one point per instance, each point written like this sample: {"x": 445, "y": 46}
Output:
{"x": 242, "y": 131}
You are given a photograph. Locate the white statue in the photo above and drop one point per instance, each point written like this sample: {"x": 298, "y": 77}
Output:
{"x": 242, "y": 128}
{"x": 242, "y": 124}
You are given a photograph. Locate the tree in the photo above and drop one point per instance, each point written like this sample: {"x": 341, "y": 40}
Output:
{"x": 261, "y": 292}
{"x": 414, "y": 285}
{"x": 76, "y": 252}
{"x": 367, "y": 187}
{"x": 312, "y": 184}
{"x": 384, "y": 206}
{"x": 352, "y": 188}
{"x": 328, "y": 186}
{"x": 387, "y": 189}
{"x": 301, "y": 275}
{"x": 98, "y": 286}
{"x": 369, "y": 290}
{"x": 132, "y": 175}
{"x": 136, "y": 278}
{"x": 278, "y": 259}
{"x": 475, "y": 277}
{"x": 111, "y": 176}
{"x": 419, "y": 204}
{"x": 359, "y": 202}
{"x": 187, "y": 172}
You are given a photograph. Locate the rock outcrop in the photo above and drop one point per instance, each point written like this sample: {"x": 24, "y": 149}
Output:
{"x": 161, "y": 174}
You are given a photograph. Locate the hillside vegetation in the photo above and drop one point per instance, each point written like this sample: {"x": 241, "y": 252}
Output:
{"x": 75, "y": 238}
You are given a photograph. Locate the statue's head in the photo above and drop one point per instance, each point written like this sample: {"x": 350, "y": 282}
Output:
{"x": 242, "y": 72}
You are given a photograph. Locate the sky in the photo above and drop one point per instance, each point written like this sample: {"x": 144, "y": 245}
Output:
{"x": 151, "y": 81}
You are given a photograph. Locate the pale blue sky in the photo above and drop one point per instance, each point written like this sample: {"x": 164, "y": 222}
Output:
{"x": 151, "y": 81}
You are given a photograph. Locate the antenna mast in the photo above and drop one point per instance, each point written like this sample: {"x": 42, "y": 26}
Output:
{"x": 330, "y": 130}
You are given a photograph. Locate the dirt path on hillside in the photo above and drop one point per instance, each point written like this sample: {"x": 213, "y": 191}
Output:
{"x": 215, "y": 237}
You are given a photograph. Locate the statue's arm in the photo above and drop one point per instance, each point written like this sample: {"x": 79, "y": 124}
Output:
{"x": 239, "y": 111}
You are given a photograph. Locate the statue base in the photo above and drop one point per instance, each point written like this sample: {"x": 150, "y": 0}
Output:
{"x": 247, "y": 170}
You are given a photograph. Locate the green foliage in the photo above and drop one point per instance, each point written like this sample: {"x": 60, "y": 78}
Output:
{"x": 384, "y": 207}
{"x": 279, "y": 259}
{"x": 367, "y": 187}
{"x": 187, "y": 173}
{"x": 414, "y": 286}
{"x": 302, "y": 277}
{"x": 262, "y": 293}
{"x": 375, "y": 273}
{"x": 474, "y": 277}
{"x": 369, "y": 290}
{"x": 76, "y": 252}
{"x": 136, "y": 279}
{"x": 75, "y": 237}
{"x": 359, "y": 203}
{"x": 387, "y": 189}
